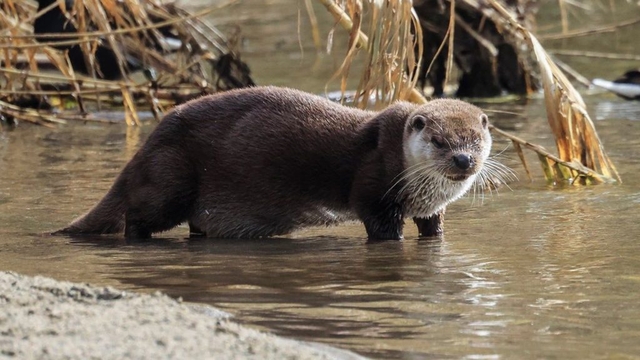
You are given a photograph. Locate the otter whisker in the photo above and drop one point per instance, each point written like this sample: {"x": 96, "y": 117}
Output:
{"x": 479, "y": 186}
{"x": 500, "y": 171}
{"x": 439, "y": 126}
{"x": 448, "y": 143}
{"x": 403, "y": 173}
{"x": 502, "y": 167}
{"x": 475, "y": 187}
{"x": 411, "y": 181}
{"x": 440, "y": 131}
{"x": 502, "y": 151}
{"x": 410, "y": 171}
{"x": 423, "y": 176}
{"x": 432, "y": 178}
{"x": 434, "y": 130}
{"x": 496, "y": 179}
{"x": 485, "y": 183}
{"x": 472, "y": 191}
{"x": 494, "y": 173}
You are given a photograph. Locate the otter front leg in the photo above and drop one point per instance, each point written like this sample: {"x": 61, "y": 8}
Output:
{"x": 383, "y": 222}
{"x": 431, "y": 226}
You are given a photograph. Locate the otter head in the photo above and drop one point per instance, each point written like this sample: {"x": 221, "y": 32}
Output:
{"x": 447, "y": 142}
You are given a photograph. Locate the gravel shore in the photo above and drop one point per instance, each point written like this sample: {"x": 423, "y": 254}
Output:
{"x": 41, "y": 318}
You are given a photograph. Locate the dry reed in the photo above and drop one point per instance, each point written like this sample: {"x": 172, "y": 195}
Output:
{"x": 581, "y": 158}
{"x": 389, "y": 49}
{"x": 135, "y": 32}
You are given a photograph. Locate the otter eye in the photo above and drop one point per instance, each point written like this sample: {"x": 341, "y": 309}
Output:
{"x": 437, "y": 142}
{"x": 418, "y": 122}
{"x": 485, "y": 120}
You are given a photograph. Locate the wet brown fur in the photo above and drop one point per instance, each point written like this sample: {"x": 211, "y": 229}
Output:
{"x": 265, "y": 161}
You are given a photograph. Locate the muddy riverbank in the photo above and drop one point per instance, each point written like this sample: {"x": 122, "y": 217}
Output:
{"x": 48, "y": 319}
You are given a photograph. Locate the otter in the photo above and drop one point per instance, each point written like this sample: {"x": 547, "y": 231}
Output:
{"x": 265, "y": 161}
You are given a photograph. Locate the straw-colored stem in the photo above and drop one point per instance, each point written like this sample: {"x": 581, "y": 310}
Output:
{"x": 594, "y": 54}
{"x": 592, "y": 31}
{"x": 363, "y": 41}
{"x": 133, "y": 29}
{"x": 579, "y": 168}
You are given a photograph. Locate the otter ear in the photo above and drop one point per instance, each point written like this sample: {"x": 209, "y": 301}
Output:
{"x": 484, "y": 120}
{"x": 418, "y": 122}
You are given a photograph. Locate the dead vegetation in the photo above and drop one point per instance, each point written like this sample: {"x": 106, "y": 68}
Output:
{"x": 141, "y": 55}
{"x": 581, "y": 157}
{"x": 81, "y": 55}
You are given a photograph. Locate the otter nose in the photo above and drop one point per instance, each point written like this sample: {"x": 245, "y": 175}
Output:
{"x": 462, "y": 161}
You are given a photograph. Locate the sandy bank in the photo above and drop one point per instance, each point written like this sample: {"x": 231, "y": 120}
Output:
{"x": 48, "y": 319}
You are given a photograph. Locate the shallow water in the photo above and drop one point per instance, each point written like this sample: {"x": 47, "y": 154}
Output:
{"x": 535, "y": 271}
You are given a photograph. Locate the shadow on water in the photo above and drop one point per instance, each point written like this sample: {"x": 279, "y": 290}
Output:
{"x": 272, "y": 282}
{"x": 312, "y": 259}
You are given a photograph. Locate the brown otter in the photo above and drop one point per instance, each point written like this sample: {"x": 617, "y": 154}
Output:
{"x": 265, "y": 161}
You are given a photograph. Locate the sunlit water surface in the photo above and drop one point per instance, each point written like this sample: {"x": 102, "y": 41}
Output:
{"x": 535, "y": 271}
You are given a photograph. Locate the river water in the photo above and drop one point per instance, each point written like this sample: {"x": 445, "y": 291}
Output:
{"x": 534, "y": 271}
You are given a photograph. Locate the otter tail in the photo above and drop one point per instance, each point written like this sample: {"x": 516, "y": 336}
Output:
{"x": 107, "y": 217}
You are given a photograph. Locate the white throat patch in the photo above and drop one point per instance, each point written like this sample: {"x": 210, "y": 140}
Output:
{"x": 426, "y": 190}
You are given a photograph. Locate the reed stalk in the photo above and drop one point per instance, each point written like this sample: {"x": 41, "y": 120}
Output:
{"x": 582, "y": 158}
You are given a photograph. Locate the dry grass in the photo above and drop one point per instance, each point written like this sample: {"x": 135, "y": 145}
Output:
{"x": 581, "y": 158}
{"x": 131, "y": 29}
{"x": 581, "y": 155}
{"x": 381, "y": 29}
{"x": 389, "y": 49}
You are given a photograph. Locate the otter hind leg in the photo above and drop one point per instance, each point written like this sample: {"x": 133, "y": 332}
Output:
{"x": 195, "y": 231}
{"x": 157, "y": 215}
{"x": 135, "y": 227}
{"x": 159, "y": 197}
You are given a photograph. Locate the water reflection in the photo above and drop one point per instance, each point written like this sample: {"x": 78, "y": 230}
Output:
{"x": 616, "y": 109}
{"x": 525, "y": 271}
{"x": 536, "y": 280}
